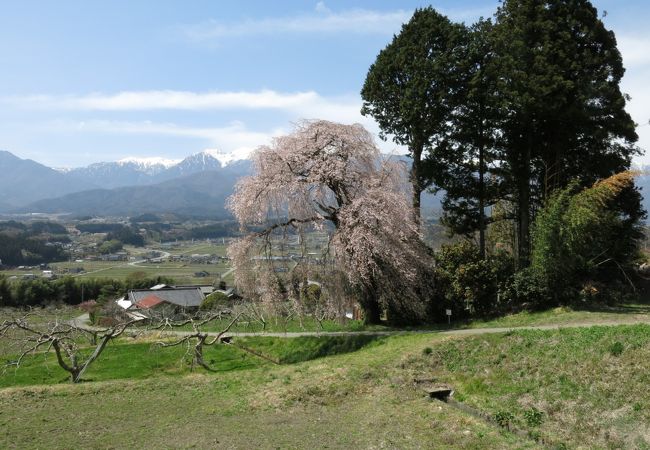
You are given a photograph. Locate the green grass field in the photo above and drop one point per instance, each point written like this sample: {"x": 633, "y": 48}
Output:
{"x": 571, "y": 388}
{"x": 583, "y": 388}
{"x": 198, "y": 247}
{"x": 143, "y": 360}
{"x": 181, "y": 272}
{"x": 632, "y": 312}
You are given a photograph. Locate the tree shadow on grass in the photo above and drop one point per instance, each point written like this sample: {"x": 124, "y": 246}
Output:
{"x": 639, "y": 305}
{"x": 635, "y": 307}
{"x": 306, "y": 348}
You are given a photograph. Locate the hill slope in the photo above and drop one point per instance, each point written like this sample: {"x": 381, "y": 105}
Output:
{"x": 570, "y": 388}
{"x": 24, "y": 181}
{"x": 201, "y": 194}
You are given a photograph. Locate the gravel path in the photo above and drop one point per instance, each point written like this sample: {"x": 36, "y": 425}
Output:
{"x": 82, "y": 321}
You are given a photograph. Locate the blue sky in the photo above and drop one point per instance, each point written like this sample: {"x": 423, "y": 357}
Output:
{"x": 83, "y": 82}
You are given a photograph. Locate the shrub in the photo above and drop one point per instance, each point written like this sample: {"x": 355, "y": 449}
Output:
{"x": 528, "y": 288}
{"x": 504, "y": 418}
{"x": 108, "y": 321}
{"x": 92, "y": 308}
{"x": 468, "y": 284}
{"x": 311, "y": 296}
{"x": 215, "y": 300}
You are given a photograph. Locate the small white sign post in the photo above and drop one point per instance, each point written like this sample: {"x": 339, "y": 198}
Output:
{"x": 448, "y": 311}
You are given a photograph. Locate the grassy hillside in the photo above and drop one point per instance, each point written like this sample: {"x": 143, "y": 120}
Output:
{"x": 577, "y": 388}
{"x": 581, "y": 388}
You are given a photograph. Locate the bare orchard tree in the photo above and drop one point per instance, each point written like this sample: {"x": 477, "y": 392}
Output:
{"x": 30, "y": 333}
{"x": 329, "y": 175}
{"x": 77, "y": 345}
{"x": 197, "y": 336}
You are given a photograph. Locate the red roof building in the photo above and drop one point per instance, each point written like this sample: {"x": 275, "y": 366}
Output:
{"x": 150, "y": 301}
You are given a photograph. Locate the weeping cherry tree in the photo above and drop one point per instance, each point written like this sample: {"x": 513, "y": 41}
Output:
{"x": 329, "y": 176}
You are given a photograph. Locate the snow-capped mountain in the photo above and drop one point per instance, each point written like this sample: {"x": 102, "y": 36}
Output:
{"x": 229, "y": 158}
{"x": 199, "y": 162}
{"x": 119, "y": 173}
{"x": 27, "y": 182}
{"x": 135, "y": 171}
{"x": 150, "y": 165}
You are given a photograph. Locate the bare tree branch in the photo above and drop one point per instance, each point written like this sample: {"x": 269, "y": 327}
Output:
{"x": 62, "y": 337}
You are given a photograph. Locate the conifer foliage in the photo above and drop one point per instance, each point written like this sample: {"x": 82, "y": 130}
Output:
{"x": 506, "y": 110}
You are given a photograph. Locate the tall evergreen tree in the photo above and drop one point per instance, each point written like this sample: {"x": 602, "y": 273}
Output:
{"x": 409, "y": 88}
{"x": 464, "y": 165}
{"x": 564, "y": 114}
{"x": 511, "y": 111}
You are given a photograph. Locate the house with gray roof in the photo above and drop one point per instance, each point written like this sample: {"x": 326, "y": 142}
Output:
{"x": 176, "y": 299}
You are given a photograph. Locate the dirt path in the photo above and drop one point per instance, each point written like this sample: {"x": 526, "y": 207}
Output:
{"x": 82, "y": 321}
{"x": 453, "y": 332}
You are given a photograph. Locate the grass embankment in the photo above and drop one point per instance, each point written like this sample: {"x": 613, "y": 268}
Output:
{"x": 628, "y": 312}
{"x": 572, "y": 388}
{"x": 147, "y": 360}
{"x": 582, "y": 388}
{"x": 344, "y": 401}
{"x": 292, "y": 325}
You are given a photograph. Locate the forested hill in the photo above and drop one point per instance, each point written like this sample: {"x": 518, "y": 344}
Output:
{"x": 202, "y": 194}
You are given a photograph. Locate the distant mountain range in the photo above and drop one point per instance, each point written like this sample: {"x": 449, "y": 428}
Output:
{"x": 195, "y": 186}
{"x": 199, "y": 194}
{"x": 138, "y": 172}
{"x": 24, "y": 181}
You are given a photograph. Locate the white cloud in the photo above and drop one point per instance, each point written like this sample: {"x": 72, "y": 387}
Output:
{"x": 234, "y": 137}
{"x": 635, "y": 83}
{"x": 167, "y": 99}
{"x": 321, "y": 8}
{"x": 295, "y": 106}
{"x": 322, "y": 21}
{"x": 357, "y": 21}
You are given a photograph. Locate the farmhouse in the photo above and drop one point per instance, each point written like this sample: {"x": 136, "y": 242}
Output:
{"x": 166, "y": 300}
{"x": 185, "y": 298}
{"x": 162, "y": 300}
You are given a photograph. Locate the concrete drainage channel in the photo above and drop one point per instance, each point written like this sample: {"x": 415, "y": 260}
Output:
{"x": 444, "y": 393}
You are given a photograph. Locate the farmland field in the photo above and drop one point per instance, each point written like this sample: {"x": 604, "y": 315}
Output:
{"x": 181, "y": 271}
